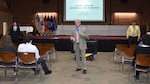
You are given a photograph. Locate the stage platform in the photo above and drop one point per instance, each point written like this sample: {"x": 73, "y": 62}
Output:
{"x": 63, "y": 43}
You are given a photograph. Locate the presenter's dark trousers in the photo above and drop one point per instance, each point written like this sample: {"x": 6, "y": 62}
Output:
{"x": 132, "y": 40}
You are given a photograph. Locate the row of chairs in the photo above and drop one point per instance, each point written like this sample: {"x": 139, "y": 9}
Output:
{"x": 24, "y": 59}
{"x": 125, "y": 53}
{"x": 127, "y": 56}
{"x": 47, "y": 48}
{"x": 9, "y": 59}
{"x": 143, "y": 60}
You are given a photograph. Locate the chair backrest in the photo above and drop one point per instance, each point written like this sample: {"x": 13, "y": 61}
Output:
{"x": 44, "y": 47}
{"x": 143, "y": 60}
{"x": 26, "y": 57}
{"x": 120, "y": 47}
{"x": 7, "y": 57}
{"x": 130, "y": 51}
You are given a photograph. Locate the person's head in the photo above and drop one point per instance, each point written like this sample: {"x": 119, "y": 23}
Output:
{"x": 146, "y": 39}
{"x": 133, "y": 22}
{"x": 5, "y": 40}
{"x": 77, "y": 23}
{"x": 28, "y": 38}
{"x": 14, "y": 23}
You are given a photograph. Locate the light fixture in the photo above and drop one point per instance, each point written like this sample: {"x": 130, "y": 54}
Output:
{"x": 125, "y": 14}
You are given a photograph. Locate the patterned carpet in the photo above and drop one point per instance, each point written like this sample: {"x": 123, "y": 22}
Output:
{"x": 103, "y": 70}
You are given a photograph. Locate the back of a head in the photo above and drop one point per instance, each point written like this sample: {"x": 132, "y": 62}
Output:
{"x": 5, "y": 40}
{"x": 146, "y": 39}
{"x": 28, "y": 37}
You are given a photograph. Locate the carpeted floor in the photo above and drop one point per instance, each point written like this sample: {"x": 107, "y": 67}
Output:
{"x": 102, "y": 70}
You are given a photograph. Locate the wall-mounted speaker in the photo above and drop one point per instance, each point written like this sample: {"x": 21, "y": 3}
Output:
{"x": 45, "y": 1}
{"x": 123, "y": 1}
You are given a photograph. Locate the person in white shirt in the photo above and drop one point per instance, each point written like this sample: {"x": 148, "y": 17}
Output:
{"x": 29, "y": 47}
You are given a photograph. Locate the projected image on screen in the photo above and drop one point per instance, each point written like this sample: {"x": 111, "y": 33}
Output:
{"x": 85, "y": 10}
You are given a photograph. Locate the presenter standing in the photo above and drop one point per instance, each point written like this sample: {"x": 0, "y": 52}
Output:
{"x": 133, "y": 34}
{"x": 79, "y": 36}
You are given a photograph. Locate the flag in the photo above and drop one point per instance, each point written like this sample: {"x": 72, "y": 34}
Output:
{"x": 45, "y": 24}
{"x": 50, "y": 20}
{"x": 42, "y": 24}
{"x": 38, "y": 24}
{"x": 49, "y": 23}
{"x": 54, "y": 23}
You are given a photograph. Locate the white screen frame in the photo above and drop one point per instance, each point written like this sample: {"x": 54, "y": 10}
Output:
{"x": 92, "y": 20}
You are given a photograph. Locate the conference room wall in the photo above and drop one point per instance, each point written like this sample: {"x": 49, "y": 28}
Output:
{"x": 102, "y": 30}
{"x": 24, "y": 10}
{"x": 7, "y": 17}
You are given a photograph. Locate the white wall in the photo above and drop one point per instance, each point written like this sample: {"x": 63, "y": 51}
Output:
{"x": 102, "y": 30}
{"x": 7, "y": 17}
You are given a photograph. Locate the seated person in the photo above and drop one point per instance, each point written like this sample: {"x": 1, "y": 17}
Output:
{"x": 6, "y": 45}
{"x": 142, "y": 49}
{"x": 28, "y": 47}
{"x": 140, "y": 43}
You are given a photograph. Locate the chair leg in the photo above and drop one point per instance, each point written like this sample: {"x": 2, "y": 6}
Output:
{"x": 115, "y": 56}
{"x": 55, "y": 53}
{"x": 130, "y": 70}
{"x": 49, "y": 60}
{"x": 122, "y": 62}
{"x": 16, "y": 77}
{"x": 52, "y": 56}
{"x": 147, "y": 76}
{"x": 23, "y": 72}
{"x": 135, "y": 76}
{"x": 5, "y": 71}
{"x": 35, "y": 72}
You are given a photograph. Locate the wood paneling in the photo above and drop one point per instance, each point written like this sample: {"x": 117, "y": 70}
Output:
{"x": 5, "y": 15}
{"x": 24, "y": 10}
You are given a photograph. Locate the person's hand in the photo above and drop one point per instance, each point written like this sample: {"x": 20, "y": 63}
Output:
{"x": 138, "y": 39}
{"x": 127, "y": 37}
{"x": 80, "y": 33}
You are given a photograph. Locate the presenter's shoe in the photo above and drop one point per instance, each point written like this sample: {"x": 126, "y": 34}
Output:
{"x": 78, "y": 69}
{"x": 84, "y": 72}
{"x": 48, "y": 72}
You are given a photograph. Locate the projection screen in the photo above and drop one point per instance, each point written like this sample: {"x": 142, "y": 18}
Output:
{"x": 85, "y": 10}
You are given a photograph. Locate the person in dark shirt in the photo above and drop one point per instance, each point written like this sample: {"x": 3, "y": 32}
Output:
{"x": 15, "y": 33}
{"x": 144, "y": 48}
{"x": 6, "y": 45}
